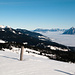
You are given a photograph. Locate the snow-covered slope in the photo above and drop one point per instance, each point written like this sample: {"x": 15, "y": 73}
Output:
{"x": 32, "y": 65}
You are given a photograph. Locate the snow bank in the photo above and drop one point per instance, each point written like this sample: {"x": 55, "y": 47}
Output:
{"x": 1, "y": 41}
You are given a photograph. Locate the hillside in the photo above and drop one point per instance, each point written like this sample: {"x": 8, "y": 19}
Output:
{"x": 21, "y": 36}
{"x": 32, "y": 65}
{"x": 18, "y": 37}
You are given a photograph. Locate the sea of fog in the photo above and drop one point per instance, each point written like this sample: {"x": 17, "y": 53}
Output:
{"x": 68, "y": 40}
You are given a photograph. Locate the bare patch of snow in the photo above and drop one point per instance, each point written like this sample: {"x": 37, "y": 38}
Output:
{"x": 56, "y": 48}
{"x": 14, "y": 32}
{"x": 41, "y": 37}
{"x": 3, "y": 30}
{"x": 1, "y": 41}
{"x": 19, "y": 33}
{"x": 2, "y": 26}
{"x": 25, "y": 43}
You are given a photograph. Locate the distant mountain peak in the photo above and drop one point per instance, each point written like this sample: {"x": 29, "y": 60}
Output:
{"x": 72, "y": 28}
{"x": 70, "y": 31}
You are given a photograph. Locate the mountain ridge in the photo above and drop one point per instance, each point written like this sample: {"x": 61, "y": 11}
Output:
{"x": 38, "y": 42}
{"x": 46, "y": 30}
{"x": 22, "y": 35}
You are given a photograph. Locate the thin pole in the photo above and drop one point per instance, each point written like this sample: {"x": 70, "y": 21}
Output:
{"x": 21, "y": 54}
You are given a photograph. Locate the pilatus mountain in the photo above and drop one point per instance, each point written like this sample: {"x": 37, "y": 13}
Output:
{"x": 70, "y": 31}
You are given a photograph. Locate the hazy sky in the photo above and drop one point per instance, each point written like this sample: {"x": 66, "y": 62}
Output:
{"x": 32, "y": 14}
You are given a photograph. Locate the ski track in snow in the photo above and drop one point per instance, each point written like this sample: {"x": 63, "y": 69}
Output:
{"x": 32, "y": 65}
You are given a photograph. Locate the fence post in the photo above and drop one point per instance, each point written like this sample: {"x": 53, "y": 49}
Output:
{"x": 21, "y": 53}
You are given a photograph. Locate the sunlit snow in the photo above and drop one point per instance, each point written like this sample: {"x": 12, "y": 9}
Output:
{"x": 1, "y": 41}
{"x": 32, "y": 64}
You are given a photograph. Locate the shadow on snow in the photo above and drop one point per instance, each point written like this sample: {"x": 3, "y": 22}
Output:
{"x": 64, "y": 72}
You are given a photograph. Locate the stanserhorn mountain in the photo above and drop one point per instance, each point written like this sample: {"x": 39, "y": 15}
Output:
{"x": 70, "y": 31}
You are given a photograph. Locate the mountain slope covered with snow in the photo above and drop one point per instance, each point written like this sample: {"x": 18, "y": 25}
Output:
{"x": 33, "y": 39}
{"x": 32, "y": 65}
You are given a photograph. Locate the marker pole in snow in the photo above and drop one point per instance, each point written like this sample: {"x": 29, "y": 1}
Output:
{"x": 21, "y": 54}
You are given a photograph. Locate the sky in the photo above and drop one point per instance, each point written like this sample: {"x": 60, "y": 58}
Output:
{"x": 32, "y": 14}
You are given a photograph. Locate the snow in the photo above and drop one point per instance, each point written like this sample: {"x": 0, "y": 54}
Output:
{"x": 7, "y": 27}
{"x": 32, "y": 65}
{"x": 2, "y": 26}
{"x": 30, "y": 50}
{"x": 14, "y": 32}
{"x": 19, "y": 33}
{"x": 53, "y": 48}
{"x": 25, "y": 43}
{"x": 57, "y": 48}
{"x": 68, "y": 40}
{"x": 41, "y": 37}
{"x": 3, "y": 30}
{"x": 1, "y": 41}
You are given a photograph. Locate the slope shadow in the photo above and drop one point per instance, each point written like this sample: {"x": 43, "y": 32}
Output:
{"x": 64, "y": 72}
{"x": 10, "y": 57}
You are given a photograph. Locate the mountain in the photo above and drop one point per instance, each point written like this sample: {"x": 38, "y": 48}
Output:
{"x": 33, "y": 39}
{"x": 45, "y": 30}
{"x": 33, "y": 34}
{"x": 70, "y": 31}
{"x": 13, "y": 35}
{"x": 17, "y": 37}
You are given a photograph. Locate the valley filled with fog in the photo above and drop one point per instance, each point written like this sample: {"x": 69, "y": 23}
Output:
{"x": 68, "y": 40}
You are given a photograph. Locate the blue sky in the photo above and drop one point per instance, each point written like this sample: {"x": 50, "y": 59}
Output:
{"x": 32, "y": 14}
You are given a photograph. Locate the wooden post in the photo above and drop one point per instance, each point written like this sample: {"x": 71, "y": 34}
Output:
{"x": 21, "y": 54}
